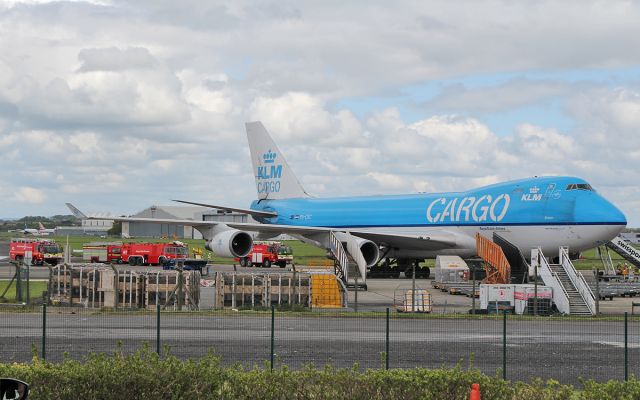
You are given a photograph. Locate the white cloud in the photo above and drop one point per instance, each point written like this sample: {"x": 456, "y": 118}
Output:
{"x": 112, "y": 102}
{"x": 29, "y": 195}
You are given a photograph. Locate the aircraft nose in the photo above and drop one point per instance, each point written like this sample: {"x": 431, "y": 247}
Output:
{"x": 596, "y": 209}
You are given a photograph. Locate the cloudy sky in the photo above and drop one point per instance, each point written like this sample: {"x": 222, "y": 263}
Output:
{"x": 116, "y": 105}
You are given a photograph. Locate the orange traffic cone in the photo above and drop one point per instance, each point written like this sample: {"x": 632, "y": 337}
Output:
{"x": 475, "y": 392}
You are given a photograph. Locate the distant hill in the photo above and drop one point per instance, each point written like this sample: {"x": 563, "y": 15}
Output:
{"x": 32, "y": 222}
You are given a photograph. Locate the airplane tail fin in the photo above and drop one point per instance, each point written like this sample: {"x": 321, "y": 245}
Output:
{"x": 75, "y": 211}
{"x": 274, "y": 178}
{"x": 40, "y": 226}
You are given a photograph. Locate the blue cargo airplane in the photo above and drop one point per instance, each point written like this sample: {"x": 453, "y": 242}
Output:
{"x": 541, "y": 212}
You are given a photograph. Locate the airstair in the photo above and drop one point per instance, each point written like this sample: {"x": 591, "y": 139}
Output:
{"x": 515, "y": 258}
{"x": 350, "y": 265}
{"x": 497, "y": 266}
{"x": 628, "y": 252}
{"x": 571, "y": 293}
{"x": 605, "y": 257}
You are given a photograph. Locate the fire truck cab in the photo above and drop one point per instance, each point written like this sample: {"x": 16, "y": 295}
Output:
{"x": 265, "y": 254}
{"x": 42, "y": 251}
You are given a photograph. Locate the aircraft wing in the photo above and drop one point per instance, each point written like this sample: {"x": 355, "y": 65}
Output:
{"x": 432, "y": 241}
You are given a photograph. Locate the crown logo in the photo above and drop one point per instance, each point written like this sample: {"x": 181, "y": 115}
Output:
{"x": 269, "y": 157}
{"x": 534, "y": 190}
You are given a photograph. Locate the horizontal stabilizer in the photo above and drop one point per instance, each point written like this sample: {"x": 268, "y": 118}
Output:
{"x": 254, "y": 213}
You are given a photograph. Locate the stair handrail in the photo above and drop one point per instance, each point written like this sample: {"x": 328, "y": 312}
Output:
{"x": 343, "y": 293}
{"x": 605, "y": 257}
{"x": 340, "y": 254}
{"x": 578, "y": 280}
{"x": 551, "y": 279}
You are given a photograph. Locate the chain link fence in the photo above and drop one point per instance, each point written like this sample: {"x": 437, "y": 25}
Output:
{"x": 516, "y": 348}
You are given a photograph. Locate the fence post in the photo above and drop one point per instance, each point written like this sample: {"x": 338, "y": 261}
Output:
{"x": 273, "y": 320}
{"x": 157, "y": 328}
{"x": 386, "y": 350}
{"x": 626, "y": 347}
{"x": 44, "y": 330}
{"x": 504, "y": 346}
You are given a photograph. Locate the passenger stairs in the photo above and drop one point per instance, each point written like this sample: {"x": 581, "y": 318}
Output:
{"x": 605, "y": 257}
{"x": 350, "y": 265}
{"x": 628, "y": 252}
{"x": 515, "y": 258}
{"x": 496, "y": 264}
{"x": 571, "y": 293}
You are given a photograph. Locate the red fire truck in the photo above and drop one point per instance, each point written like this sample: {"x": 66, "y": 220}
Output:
{"x": 165, "y": 254}
{"x": 266, "y": 254}
{"x": 102, "y": 252}
{"x": 42, "y": 251}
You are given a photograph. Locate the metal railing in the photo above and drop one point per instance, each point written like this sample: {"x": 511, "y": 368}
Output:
{"x": 578, "y": 280}
{"x": 550, "y": 278}
{"x": 340, "y": 255}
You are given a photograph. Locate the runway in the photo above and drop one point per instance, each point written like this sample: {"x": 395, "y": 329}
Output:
{"x": 560, "y": 349}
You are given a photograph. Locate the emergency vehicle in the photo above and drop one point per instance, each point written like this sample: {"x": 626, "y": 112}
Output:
{"x": 102, "y": 252}
{"x": 42, "y": 251}
{"x": 266, "y": 254}
{"x": 165, "y": 254}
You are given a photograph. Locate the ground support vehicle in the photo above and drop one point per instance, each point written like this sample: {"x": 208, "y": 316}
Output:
{"x": 266, "y": 254}
{"x": 42, "y": 250}
{"x": 102, "y": 252}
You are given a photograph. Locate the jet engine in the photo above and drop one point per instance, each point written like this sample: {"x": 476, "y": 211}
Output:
{"x": 370, "y": 251}
{"x": 231, "y": 243}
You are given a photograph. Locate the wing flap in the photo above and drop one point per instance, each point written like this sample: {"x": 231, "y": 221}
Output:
{"x": 255, "y": 213}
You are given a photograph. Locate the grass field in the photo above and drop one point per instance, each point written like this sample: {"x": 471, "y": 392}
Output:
{"x": 35, "y": 290}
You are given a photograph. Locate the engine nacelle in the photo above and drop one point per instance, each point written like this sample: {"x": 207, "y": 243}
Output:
{"x": 231, "y": 243}
{"x": 370, "y": 252}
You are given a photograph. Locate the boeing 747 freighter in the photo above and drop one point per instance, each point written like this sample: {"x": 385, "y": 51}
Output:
{"x": 541, "y": 212}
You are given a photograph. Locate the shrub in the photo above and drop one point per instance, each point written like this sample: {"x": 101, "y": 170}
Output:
{"x": 145, "y": 375}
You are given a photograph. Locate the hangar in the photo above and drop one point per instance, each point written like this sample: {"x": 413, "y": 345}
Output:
{"x": 153, "y": 230}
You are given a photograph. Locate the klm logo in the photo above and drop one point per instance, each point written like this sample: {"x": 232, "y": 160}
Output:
{"x": 269, "y": 157}
{"x": 270, "y": 173}
{"x": 533, "y": 195}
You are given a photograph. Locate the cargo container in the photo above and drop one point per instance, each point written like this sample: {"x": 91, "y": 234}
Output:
{"x": 497, "y": 298}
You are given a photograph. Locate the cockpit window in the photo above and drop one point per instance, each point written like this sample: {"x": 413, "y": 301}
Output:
{"x": 580, "y": 186}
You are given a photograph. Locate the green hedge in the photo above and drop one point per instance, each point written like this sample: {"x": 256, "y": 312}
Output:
{"x": 144, "y": 375}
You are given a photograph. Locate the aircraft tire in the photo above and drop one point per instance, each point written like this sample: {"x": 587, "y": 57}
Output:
{"x": 243, "y": 262}
{"x": 408, "y": 272}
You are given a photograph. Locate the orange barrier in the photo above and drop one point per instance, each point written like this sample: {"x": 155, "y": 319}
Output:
{"x": 475, "y": 392}
{"x": 498, "y": 268}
